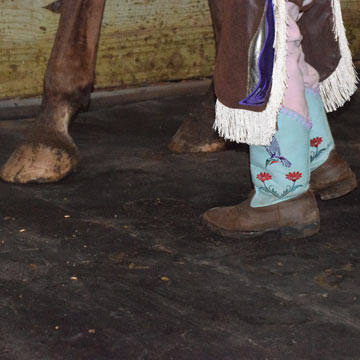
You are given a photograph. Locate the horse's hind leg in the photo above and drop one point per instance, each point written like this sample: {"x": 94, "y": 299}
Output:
{"x": 48, "y": 152}
{"x": 196, "y": 133}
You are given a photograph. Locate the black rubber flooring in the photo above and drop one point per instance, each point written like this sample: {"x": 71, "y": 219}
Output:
{"x": 114, "y": 263}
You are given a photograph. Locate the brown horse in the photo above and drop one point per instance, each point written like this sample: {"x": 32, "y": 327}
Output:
{"x": 48, "y": 152}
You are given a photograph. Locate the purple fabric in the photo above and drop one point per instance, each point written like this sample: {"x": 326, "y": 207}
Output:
{"x": 313, "y": 91}
{"x": 265, "y": 62}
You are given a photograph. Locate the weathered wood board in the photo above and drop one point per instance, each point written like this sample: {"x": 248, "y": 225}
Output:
{"x": 141, "y": 41}
{"x": 351, "y": 14}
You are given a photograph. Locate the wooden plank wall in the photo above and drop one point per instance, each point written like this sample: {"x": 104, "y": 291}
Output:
{"x": 351, "y": 14}
{"x": 141, "y": 42}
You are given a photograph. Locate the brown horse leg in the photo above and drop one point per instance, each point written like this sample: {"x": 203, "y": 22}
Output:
{"x": 196, "y": 133}
{"x": 49, "y": 153}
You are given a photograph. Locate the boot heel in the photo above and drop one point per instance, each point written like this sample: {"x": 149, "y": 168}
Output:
{"x": 340, "y": 189}
{"x": 299, "y": 231}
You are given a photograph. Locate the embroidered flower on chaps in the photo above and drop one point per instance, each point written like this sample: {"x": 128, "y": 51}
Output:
{"x": 292, "y": 176}
{"x": 315, "y": 143}
{"x": 264, "y": 177}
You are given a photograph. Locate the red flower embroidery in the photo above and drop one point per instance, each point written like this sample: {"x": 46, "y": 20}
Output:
{"x": 293, "y": 176}
{"x": 315, "y": 142}
{"x": 263, "y": 177}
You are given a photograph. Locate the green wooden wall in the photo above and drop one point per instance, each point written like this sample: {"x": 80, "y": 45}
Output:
{"x": 142, "y": 41}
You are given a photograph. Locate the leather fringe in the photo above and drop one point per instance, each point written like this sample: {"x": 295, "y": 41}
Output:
{"x": 253, "y": 128}
{"x": 342, "y": 83}
{"x": 258, "y": 128}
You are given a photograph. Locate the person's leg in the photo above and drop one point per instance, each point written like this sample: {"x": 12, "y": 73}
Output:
{"x": 280, "y": 172}
{"x": 294, "y": 98}
{"x": 289, "y": 150}
{"x": 331, "y": 176}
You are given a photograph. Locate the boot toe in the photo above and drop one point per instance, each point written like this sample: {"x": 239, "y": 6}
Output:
{"x": 217, "y": 217}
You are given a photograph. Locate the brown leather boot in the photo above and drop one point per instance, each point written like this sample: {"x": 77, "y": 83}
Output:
{"x": 294, "y": 218}
{"x": 333, "y": 179}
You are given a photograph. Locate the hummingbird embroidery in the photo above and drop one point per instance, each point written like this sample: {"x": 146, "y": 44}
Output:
{"x": 275, "y": 155}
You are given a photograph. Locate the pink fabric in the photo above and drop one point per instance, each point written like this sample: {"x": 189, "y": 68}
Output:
{"x": 300, "y": 74}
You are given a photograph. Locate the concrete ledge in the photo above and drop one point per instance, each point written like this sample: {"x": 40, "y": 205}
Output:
{"x": 26, "y": 108}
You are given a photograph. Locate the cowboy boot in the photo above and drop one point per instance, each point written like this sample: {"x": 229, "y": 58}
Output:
{"x": 331, "y": 176}
{"x": 282, "y": 199}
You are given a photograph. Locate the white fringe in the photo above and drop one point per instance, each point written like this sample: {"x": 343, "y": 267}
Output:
{"x": 342, "y": 83}
{"x": 258, "y": 128}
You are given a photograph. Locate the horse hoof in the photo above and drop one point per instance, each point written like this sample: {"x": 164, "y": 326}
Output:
{"x": 179, "y": 145}
{"x": 39, "y": 163}
{"x": 196, "y": 136}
